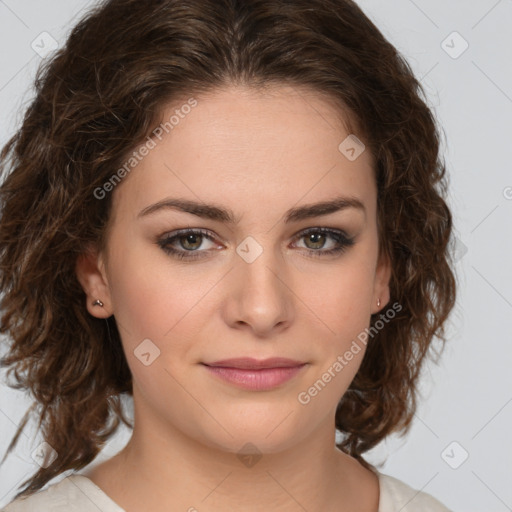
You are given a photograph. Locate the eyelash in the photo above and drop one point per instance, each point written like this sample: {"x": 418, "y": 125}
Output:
{"x": 339, "y": 236}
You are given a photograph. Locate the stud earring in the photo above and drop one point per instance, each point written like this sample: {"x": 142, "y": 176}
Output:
{"x": 97, "y": 302}
{"x": 378, "y": 303}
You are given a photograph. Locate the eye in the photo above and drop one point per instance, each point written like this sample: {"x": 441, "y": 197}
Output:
{"x": 186, "y": 243}
{"x": 315, "y": 239}
{"x": 189, "y": 239}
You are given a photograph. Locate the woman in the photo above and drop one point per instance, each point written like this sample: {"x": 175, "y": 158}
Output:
{"x": 233, "y": 212}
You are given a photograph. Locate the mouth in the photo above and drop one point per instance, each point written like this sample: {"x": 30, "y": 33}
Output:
{"x": 249, "y": 363}
{"x": 255, "y": 375}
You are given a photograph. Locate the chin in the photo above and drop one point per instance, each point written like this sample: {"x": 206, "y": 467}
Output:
{"x": 274, "y": 434}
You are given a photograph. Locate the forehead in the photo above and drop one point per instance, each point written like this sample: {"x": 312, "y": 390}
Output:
{"x": 259, "y": 114}
{"x": 246, "y": 145}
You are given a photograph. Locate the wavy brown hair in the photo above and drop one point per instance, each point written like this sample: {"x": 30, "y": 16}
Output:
{"x": 100, "y": 95}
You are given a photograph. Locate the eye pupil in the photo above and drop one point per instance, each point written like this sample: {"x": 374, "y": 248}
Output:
{"x": 313, "y": 237}
{"x": 191, "y": 238}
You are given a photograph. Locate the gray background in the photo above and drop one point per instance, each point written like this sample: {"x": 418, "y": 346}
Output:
{"x": 465, "y": 409}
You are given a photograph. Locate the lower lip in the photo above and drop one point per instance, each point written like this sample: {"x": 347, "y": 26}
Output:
{"x": 256, "y": 380}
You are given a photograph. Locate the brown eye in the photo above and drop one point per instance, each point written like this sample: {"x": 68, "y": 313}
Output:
{"x": 316, "y": 239}
{"x": 191, "y": 241}
{"x": 186, "y": 244}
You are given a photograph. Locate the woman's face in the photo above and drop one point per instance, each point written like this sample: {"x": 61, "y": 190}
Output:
{"x": 254, "y": 286}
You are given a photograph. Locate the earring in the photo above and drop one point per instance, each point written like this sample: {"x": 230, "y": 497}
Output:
{"x": 378, "y": 303}
{"x": 97, "y": 302}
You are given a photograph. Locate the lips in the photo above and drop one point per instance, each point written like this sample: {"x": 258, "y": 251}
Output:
{"x": 256, "y": 374}
{"x": 248, "y": 363}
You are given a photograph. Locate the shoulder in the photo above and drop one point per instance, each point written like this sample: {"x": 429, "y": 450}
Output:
{"x": 57, "y": 497}
{"x": 74, "y": 493}
{"x": 395, "y": 493}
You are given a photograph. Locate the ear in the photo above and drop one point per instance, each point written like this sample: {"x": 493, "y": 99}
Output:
{"x": 381, "y": 283}
{"x": 90, "y": 271}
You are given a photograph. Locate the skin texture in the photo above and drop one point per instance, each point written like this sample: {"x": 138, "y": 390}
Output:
{"x": 258, "y": 154}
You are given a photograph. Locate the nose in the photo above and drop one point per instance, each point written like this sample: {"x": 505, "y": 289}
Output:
{"x": 260, "y": 295}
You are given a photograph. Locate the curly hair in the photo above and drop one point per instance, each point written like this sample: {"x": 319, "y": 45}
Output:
{"x": 100, "y": 95}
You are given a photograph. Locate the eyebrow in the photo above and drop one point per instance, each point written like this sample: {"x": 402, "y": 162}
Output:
{"x": 221, "y": 214}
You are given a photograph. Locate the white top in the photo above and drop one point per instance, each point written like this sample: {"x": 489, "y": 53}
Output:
{"x": 77, "y": 493}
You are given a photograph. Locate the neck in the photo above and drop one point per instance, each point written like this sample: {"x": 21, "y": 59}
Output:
{"x": 163, "y": 468}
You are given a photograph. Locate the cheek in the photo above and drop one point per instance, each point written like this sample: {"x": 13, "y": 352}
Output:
{"x": 344, "y": 303}
{"x": 345, "y": 308}
{"x": 138, "y": 299}
{"x": 155, "y": 298}
{"x": 157, "y": 310}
